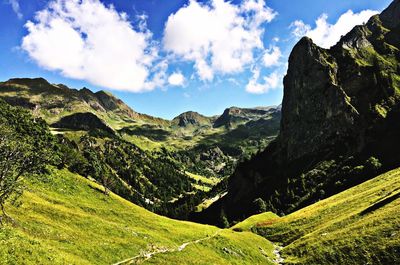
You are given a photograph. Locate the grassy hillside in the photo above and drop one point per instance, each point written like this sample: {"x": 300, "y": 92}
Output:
{"x": 66, "y": 219}
{"x": 358, "y": 226}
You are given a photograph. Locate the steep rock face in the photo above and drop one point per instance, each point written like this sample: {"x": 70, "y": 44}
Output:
{"x": 339, "y": 127}
{"x": 315, "y": 107}
{"x": 341, "y": 96}
{"x": 390, "y": 16}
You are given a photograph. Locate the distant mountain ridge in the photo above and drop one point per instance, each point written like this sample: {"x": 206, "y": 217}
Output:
{"x": 60, "y": 96}
{"x": 234, "y": 115}
{"x": 51, "y": 99}
{"x": 237, "y": 132}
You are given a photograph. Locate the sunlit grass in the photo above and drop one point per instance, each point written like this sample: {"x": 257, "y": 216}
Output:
{"x": 66, "y": 219}
{"x": 358, "y": 226}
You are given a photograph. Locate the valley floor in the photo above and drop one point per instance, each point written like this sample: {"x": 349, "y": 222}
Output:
{"x": 66, "y": 219}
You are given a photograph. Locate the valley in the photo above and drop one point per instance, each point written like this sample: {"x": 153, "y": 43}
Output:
{"x": 140, "y": 156}
{"x": 86, "y": 179}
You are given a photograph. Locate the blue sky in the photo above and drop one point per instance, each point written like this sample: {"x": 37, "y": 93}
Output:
{"x": 166, "y": 57}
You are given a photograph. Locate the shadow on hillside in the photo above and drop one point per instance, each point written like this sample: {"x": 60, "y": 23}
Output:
{"x": 155, "y": 134}
{"x": 380, "y": 204}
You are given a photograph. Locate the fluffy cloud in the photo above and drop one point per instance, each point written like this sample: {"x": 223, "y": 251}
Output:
{"x": 176, "y": 79}
{"x": 15, "y": 6}
{"x": 219, "y": 37}
{"x": 271, "y": 81}
{"x": 271, "y": 56}
{"x": 327, "y": 35}
{"x": 90, "y": 41}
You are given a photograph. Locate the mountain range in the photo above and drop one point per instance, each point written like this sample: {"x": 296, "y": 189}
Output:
{"x": 313, "y": 181}
{"x": 196, "y": 150}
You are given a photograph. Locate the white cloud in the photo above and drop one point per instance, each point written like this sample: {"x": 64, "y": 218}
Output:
{"x": 271, "y": 56}
{"x": 176, "y": 79}
{"x": 327, "y": 35}
{"x": 300, "y": 29}
{"x": 90, "y": 41}
{"x": 219, "y": 37}
{"x": 16, "y": 8}
{"x": 271, "y": 81}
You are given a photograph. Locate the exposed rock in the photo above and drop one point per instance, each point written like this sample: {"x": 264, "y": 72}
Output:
{"x": 390, "y": 16}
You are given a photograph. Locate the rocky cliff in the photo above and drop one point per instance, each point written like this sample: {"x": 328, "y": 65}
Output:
{"x": 339, "y": 127}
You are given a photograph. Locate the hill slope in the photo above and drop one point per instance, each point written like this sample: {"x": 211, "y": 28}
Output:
{"x": 67, "y": 219}
{"x": 358, "y": 226}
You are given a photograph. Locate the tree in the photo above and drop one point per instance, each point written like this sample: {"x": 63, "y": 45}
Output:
{"x": 373, "y": 165}
{"x": 107, "y": 179}
{"x": 259, "y": 205}
{"x": 17, "y": 158}
{"x": 223, "y": 221}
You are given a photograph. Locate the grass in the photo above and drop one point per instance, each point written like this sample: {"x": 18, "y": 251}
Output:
{"x": 207, "y": 202}
{"x": 66, "y": 219}
{"x": 358, "y": 226}
{"x": 210, "y": 181}
{"x": 252, "y": 221}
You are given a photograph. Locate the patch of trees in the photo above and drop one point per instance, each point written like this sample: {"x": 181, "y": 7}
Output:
{"x": 154, "y": 180}
{"x": 325, "y": 179}
{"x": 26, "y": 148}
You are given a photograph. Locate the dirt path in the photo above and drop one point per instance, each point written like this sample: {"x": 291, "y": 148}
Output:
{"x": 147, "y": 255}
{"x": 277, "y": 252}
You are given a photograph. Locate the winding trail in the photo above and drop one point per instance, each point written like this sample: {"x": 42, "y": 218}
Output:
{"x": 147, "y": 255}
{"x": 277, "y": 252}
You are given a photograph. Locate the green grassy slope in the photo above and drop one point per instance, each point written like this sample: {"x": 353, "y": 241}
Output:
{"x": 358, "y": 226}
{"x": 66, "y": 219}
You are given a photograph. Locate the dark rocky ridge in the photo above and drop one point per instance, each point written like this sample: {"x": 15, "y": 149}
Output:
{"x": 340, "y": 108}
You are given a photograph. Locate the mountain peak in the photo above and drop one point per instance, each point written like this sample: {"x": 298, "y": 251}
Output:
{"x": 190, "y": 118}
{"x": 30, "y": 82}
{"x": 390, "y": 17}
{"x": 86, "y": 90}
